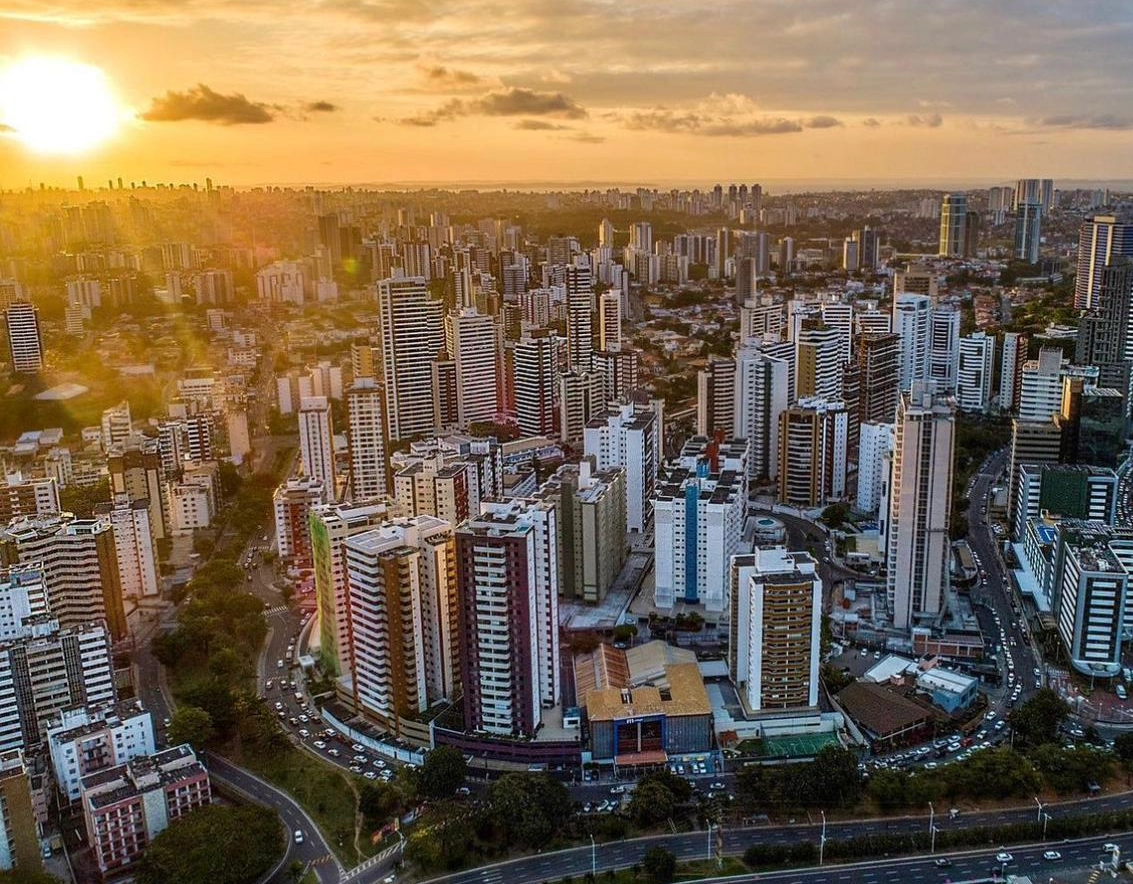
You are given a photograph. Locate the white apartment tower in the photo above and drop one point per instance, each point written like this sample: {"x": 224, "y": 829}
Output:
{"x": 316, "y": 442}
{"x": 762, "y": 394}
{"x": 911, "y": 321}
{"x": 534, "y": 384}
{"x": 411, "y": 335}
{"x": 610, "y": 320}
{"x": 627, "y": 436}
{"x": 472, "y": 342}
{"x": 25, "y": 341}
{"x": 973, "y": 377}
{"x": 366, "y": 416}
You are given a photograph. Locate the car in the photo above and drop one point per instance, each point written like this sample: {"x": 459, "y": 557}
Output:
{"x": 330, "y": 733}
{"x": 717, "y": 786}
{"x": 1052, "y": 855}
{"x": 355, "y": 768}
{"x": 304, "y": 719}
{"x": 1003, "y": 858}
{"x": 1110, "y": 847}
{"x": 388, "y": 879}
{"x": 333, "y": 753}
{"x": 617, "y": 790}
{"x": 932, "y": 765}
{"x": 1038, "y": 683}
{"x": 463, "y": 790}
{"x": 298, "y": 836}
{"x": 865, "y": 652}
{"x": 877, "y": 655}
{"x": 268, "y": 684}
{"x": 293, "y": 721}
{"x": 361, "y": 758}
{"x": 357, "y": 747}
{"x": 304, "y": 733}
{"x": 1037, "y": 671}
{"x": 319, "y": 744}
{"x": 370, "y": 775}
{"x": 943, "y": 863}
{"x": 587, "y": 807}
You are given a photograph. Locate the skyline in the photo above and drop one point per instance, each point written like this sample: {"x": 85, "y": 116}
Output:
{"x": 347, "y": 91}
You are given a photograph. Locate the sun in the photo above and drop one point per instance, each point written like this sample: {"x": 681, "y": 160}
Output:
{"x": 57, "y": 106}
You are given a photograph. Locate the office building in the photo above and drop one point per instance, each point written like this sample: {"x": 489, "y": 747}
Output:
{"x": 953, "y": 225}
{"x": 1011, "y": 370}
{"x": 133, "y": 545}
{"x": 875, "y": 449}
{"x": 762, "y": 392}
{"x": 291, "y": 504}
{"x": 1028, "y": 227}
{"x": 715, "y": 397}
{"x": 403, "y": 616}
{"x": 1040, "y": 389}
{"x": 365, "y": 414}
{"x": 812, "y": 452}
{"x": 698, "y": 511}
{"x": 591, "y": 508}
{"x": 81, "y": 564}
{"x": 316, "y": 442}
{"x": 1094, "y": 423}
{"x": 775, "y": 629}
{"x": 534, "y": 385}
{"x": 911, "y": 314}
{"x": 507, "y": 585}
{"x": 1067, "y": 491}
{"x": 25, "y": 339}
{"x": 127, "y": 806}
{"x": 1105, "y": 332}
{"x": 629, "y": 436}
{"x": 974, "y": 370}
{"x": 915, "y": 524}
{"x": 411, "y": 334}
{"x": 84, "y": 739}
{"x": 1037, "y": 191}
{"x": 1102, "y": 240}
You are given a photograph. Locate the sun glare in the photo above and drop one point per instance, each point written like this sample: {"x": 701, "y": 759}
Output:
{"x": 57, "y": 106}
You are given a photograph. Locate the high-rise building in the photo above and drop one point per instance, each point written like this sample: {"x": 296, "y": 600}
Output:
{"x": 411, "y": 332}
{"x": 911, "y": 315}
{"x": 1037, "y": 191}
{"x": 25, "y": 340}
{"x": 291, "y": 504}
{"x": 774, "y": 650}
{"x": 715, "y": 397}
{"x": 1011, "y": 370}
{"x": 136, "y": 471}
{"x": 472, "y": 340}
{"x": 25, "y": 496}
{"x": 1028, "y": 231}
{"x": 723, "y": 251}
{"x": 580, "y": 310}
{"x": 133, "y": 545}
{"x": 698, "y": 513}
{"x": 1102, "y": 240}
{"x": 875, "y": 449}
{"x": 534, "y": 381}
{"x": 581, "y": 396}
{"x": 973, "y": 376}
{"x": 1068, "y": 491}
{"x": 87, "y": 738}
{"x": 944, "y": 346}
{"x": 1040, "y": 395}
{"x": 19, "y": 823}
{"x": 916, "y": 279}
{"x": 403, "y": 615}
{"x": 330, "y": 525}
{"x": 839, "y": 315}
{"x": 1105, "y": 332}
{"x": 629, "y": 436}
{"x": 879, "y": 361}
{"x": 915, "y": 523}
{"x": 618, "y": 370}
{"x": 116, "y": 425}
{"x": 820, "y": 362}
{"x": 81, "y": 564}
{"x": 316, "y": 442}
{"x": 606, "y": 233}
{"x": 953, "y": 225}
{"x": 366, "y": 418}
{"x": 760, "y": 319}
{"x": 762, "y": 392}
{"x": 812, "y": 452}
{"x": 610, "y": 320}
{"x": 507, "y": 588}
{"x": 592, "y": 528}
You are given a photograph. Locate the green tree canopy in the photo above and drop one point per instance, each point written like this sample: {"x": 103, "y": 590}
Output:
{"x": 214, "y": 845}
{"x": 442, "y": 772}
{"x": 192, "y": 725}
{"x": 659, "y": 864}
{"x": 529, "y": 808}
{"x": 1037, "y": 721}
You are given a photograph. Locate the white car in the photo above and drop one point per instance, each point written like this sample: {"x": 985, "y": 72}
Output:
{"x": 1052, "y": 855}
{"x": 1003, "y": 858}
{"x": 298, "y": 836}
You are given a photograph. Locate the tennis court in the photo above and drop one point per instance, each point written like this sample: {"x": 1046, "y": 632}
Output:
{"x": 798, "y": 745}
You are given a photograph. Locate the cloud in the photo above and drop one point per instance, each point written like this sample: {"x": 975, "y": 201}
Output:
{"x": 723, "y": 116}
{"x": 1109, "y": 122}
{"x": 538, "y": 126}
{"x": 586, "y": 138}
{"x": 441, "y": 78}
{"x": 928, "y": 121}
{"x": 512, "y": 102}
{"x": 202, "y": 103}
{"x": 6, "y": 128}
{"x": 871, "y": 122}
{"x": 320, "y": 107}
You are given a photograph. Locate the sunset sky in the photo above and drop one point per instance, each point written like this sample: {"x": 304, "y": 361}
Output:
{"x": 650, "y": 91}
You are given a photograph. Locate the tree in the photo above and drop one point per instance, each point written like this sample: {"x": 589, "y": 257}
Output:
{"x": 1123, "y": 749}
{"x": 1037, "y": 721}
{"x": 442, "y": 772}
{"x": 26, "y": 876}
{"x": 660, "y": 865}
{"x": 528, "y": 808}
{"x": 836, "y": 515}
{"x": 192, "y": 725}
{"x": 214, "y": 845}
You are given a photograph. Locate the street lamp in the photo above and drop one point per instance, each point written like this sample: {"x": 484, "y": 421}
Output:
{"x": 1039, "y": 818}
{"x": 1046, "y": 819}
{"x": 822, "y": 838}
{"x": 708, "y": 854}
{"x": 932, "y": 847}
{"x": 593, "y": 859}
{"x": 931, "y": 816}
